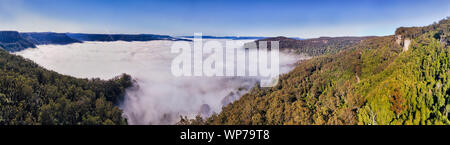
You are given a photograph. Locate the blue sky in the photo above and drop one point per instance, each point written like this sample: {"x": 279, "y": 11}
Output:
{"x": 295, "y": 18}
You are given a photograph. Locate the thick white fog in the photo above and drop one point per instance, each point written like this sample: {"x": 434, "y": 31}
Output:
{"x": 157, "y": 97}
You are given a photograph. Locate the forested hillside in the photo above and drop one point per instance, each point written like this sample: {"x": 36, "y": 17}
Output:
{"x": 12, "y": 41}
{"x": 373, "y": 82}
{"x": 315, "y": 46}
{"x": 30, "y": 94}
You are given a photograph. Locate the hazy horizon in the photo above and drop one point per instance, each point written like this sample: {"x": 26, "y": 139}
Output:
{"x": 268, "y": 18}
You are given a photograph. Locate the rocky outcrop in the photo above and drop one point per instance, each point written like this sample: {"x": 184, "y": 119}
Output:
{"x": 402, "y": 41}
{"x": 398, "y": 39}
{"x": 406, "y": 44}
{"x": 12, "y": 41}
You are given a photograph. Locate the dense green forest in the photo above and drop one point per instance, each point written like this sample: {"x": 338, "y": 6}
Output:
{"x": 373, "y": 82}
{"x": 30, "y": 94}
{"x": 315, "y": 46}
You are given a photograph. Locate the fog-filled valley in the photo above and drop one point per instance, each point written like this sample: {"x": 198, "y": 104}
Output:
{"x": 157, "y": 97}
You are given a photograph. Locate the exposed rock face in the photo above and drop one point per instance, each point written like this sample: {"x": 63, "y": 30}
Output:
{"x": 398, "y": 39}
{"x": 49, "y": 38}
{"x": 12, "y": 41}
{"x": 404, "y": 42}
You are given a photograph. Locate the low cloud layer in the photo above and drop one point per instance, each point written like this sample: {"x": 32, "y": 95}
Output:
{"x": 158, "y": 97}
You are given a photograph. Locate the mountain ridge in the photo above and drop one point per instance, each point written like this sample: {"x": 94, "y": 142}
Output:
{"x": 45, "y": 38}
{"x": 314, "y": 46}
{"x": 235, "y": 37}
{"x": 121, "y": 37}
{"x": 13, "y": 41}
